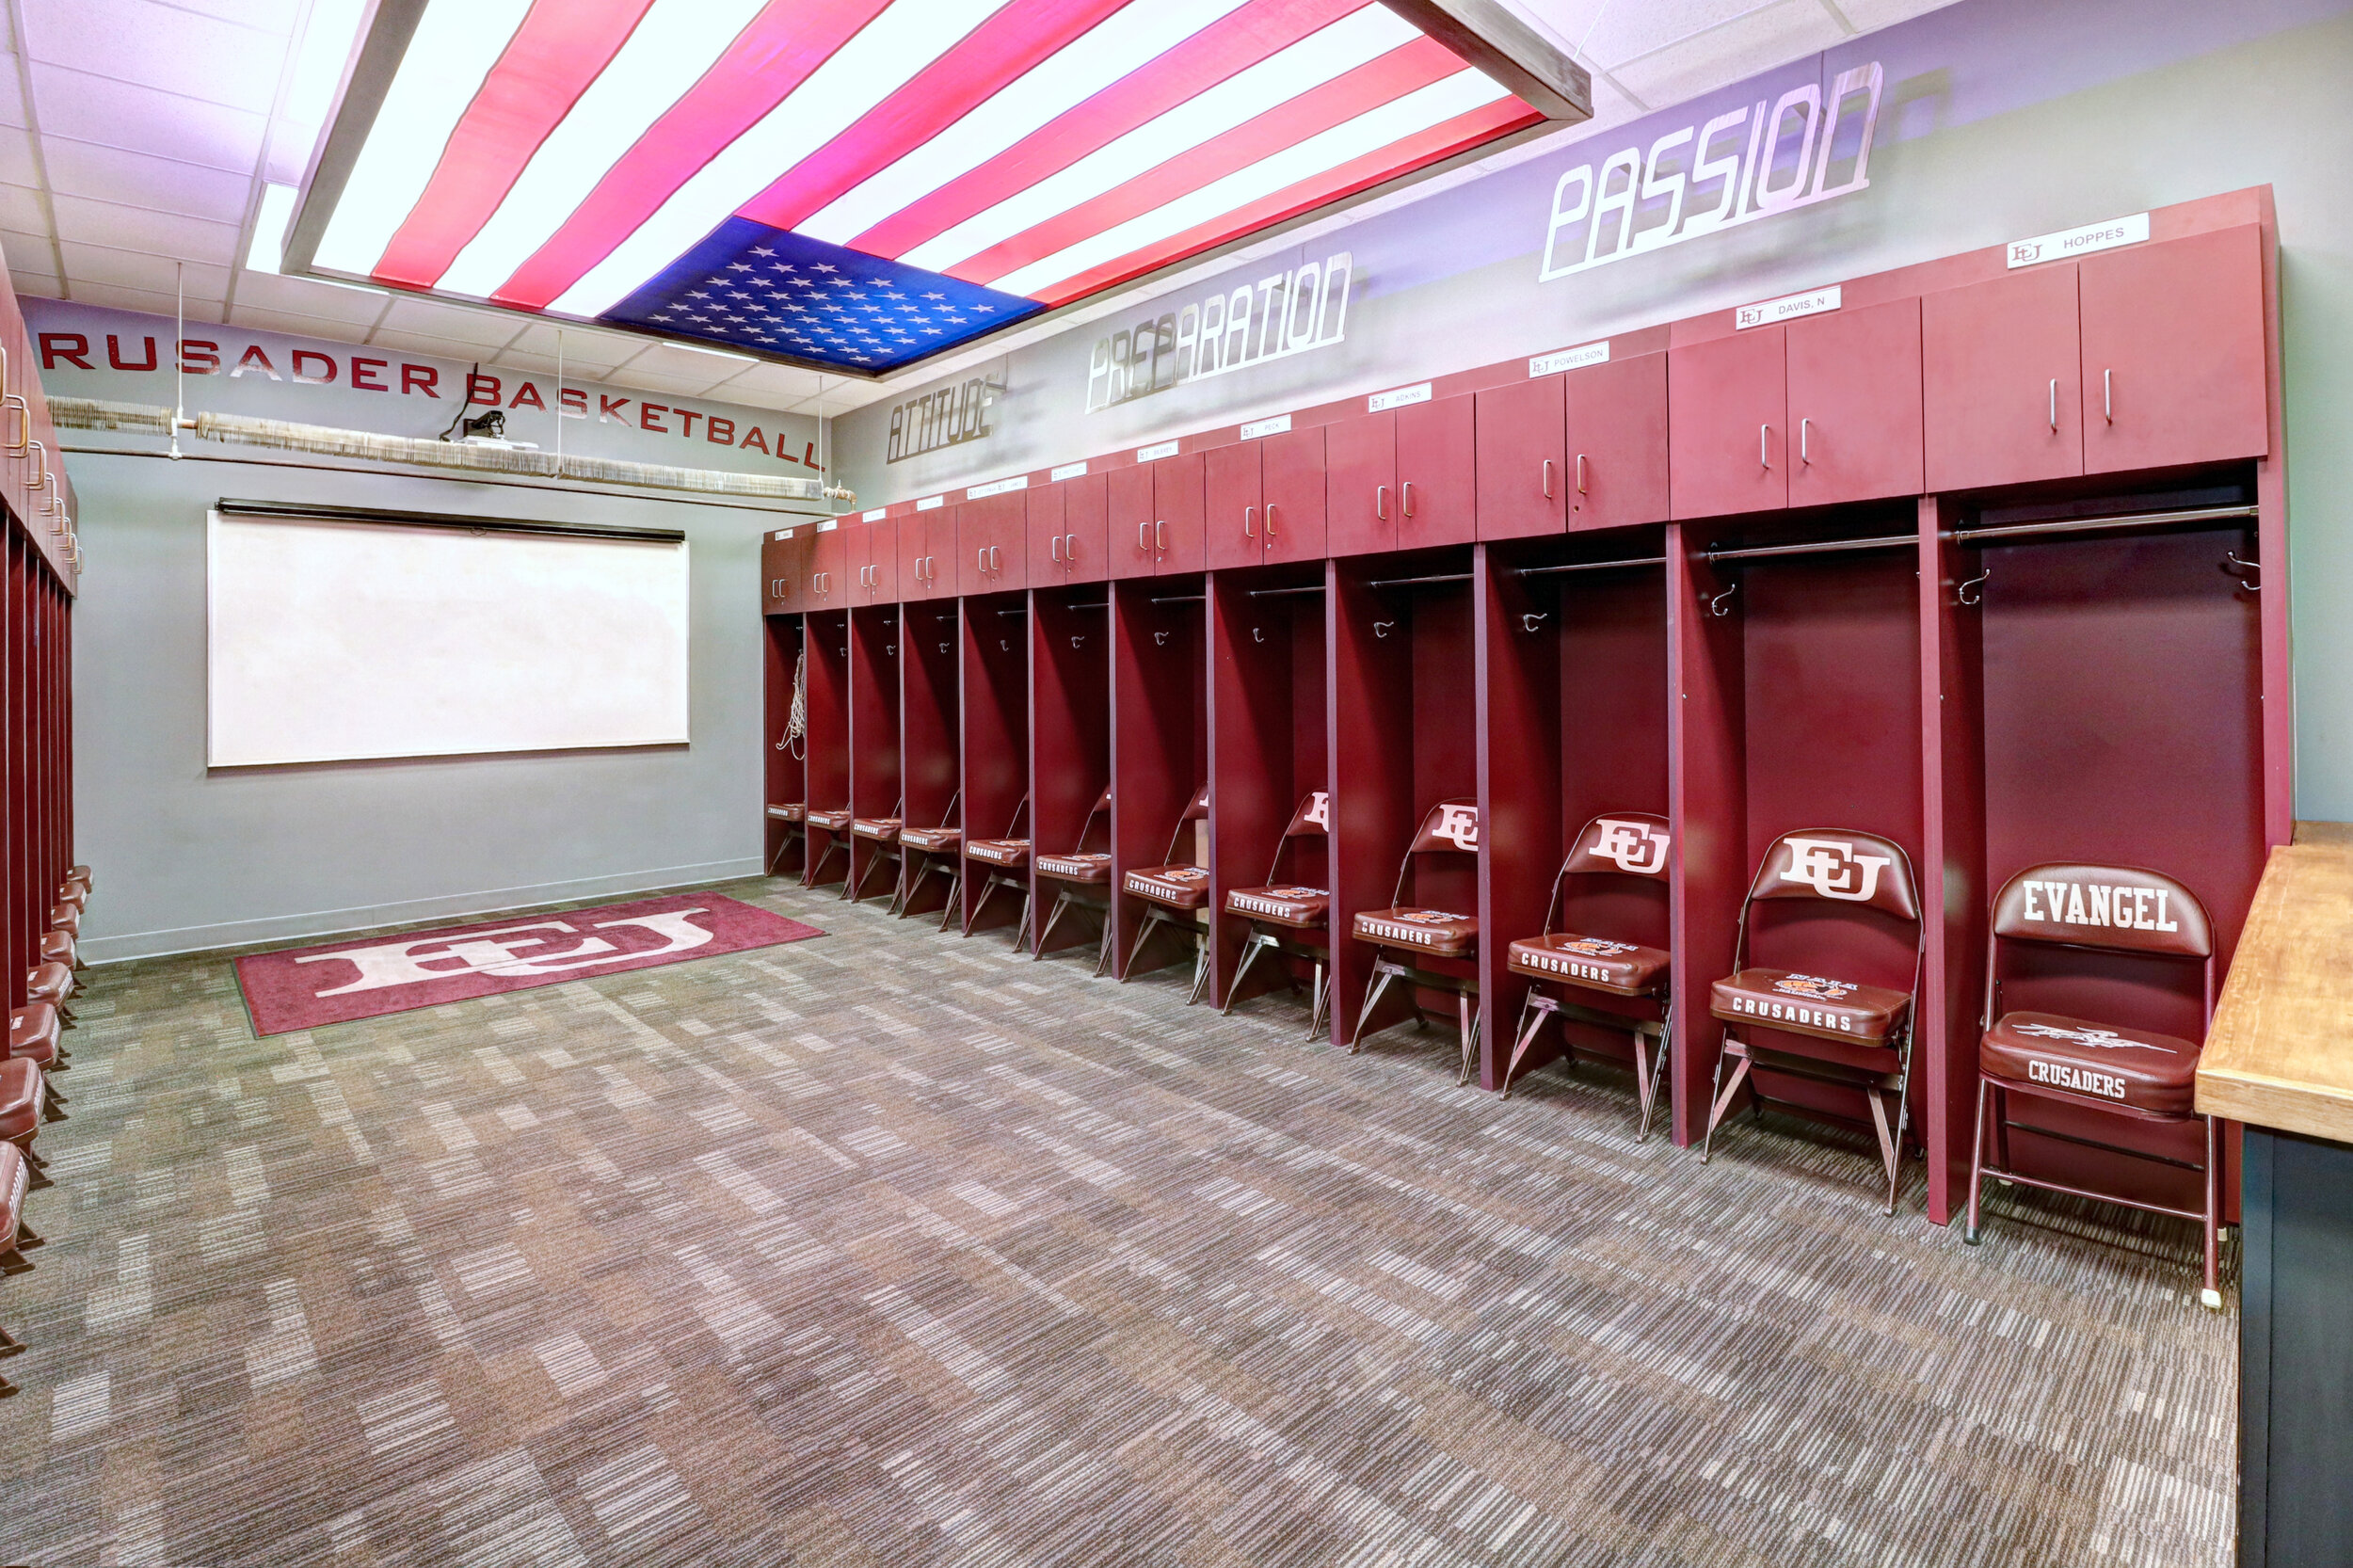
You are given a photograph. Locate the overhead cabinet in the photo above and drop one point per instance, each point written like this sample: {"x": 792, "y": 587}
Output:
{"x": 927, "y": 554}
{"x": 1264, "y": 499}
{"x": 1587, "y": 449}
{"x": 1066, "y": 531}
{"x": 992, "y": 542}
{"x": 1157, "y": 518}
{"x": 1403, "y": 479}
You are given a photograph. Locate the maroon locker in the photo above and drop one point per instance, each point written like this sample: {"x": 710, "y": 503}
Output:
{"x": 784, "y": 554}
{"x": 879, "y": 583}
{"x": 1231, "y": 487}
{"x": 1522, "y": 435}
{"x": 1360, "y": 463}
{"x": 1617, "y": 449}
{"x": 1085, "y": 526}
{"x": 2002, "y": 395}
{"x": 1855, "y": 404}
{"x": 1049, "y": 567}
{"x": 829, "y": 573}
{"x": 1437, "y": 469}
{"x": 1728, "y": 418}
{"x": 1180, "y": 530}
{"x": 2173, "y": 352}
{"x": 1129, "y": 550}
{"x": 991, "y": 544}
{"x": 1291, "y": 487}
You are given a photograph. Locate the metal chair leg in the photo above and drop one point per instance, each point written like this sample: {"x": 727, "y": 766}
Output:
{"x": 1661, "y": 1054}
{"x": 1524, "y": 1037}
{"x": 1106, "y": 942}
{"x": 1467, "y": 1019}
{"x": 1250, "y": 949}
{"x": 1903, "y": 1119}
{"x": 1028, "y": 903}
{"x": 988, "y": 889}
{"x": 1061, "y": 901}
{"x": 1969, "y": 1232}
{"x": 1151, "y": 923}
{"x": 2210, "y": 1297}
{"x": 1374, "y": 989}
{"x": 1318, "y": 1016}
{"x": 955, "y": 896}
{"x": 871, "y": 861}
{"x": 1724, "y": 1093}
{"x": 1200, "y": 967}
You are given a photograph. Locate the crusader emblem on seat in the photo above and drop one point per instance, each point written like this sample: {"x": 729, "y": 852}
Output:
{"x": 1832, "y": 867}
{"x": 2099, "y": 1039}
{"x": 1814, "y": 985}
{"x": 1636, "y": 846}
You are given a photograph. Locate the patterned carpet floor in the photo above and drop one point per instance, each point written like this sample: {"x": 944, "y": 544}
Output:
{"x": 889, "y": 1248}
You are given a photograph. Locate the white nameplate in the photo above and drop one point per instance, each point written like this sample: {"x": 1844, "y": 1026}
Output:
{"x": 874, "y": 515}
{"x": 930, "y": 504}
{"x": 1570, "y": 358}
{"x": 2080, "y": 242}
{"x": 784, "y": 533}
{"x": 829, "y": 525}
{"x": 1069, "y": 471}
{"x": 1276, "y": 426}
{"x": 1380, "y": 402}
{"x": 979, "y": 492}
{"x": 1765, "y": 312}
{"x": 1154, "y": 454}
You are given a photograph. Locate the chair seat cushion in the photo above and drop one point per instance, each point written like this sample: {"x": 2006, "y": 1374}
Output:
{"x": 1810, "y": 1004}
{"x": 58, "y": 947}
{"x": 19, "y": 1099}
{"x": 73, "y": 893}
{"x": 790, "y": 811}
{"x": 1626, "y": 968}
{"x": 831, "y": 820}
{"x": 999, "y": 852}
{"x": 1177, "y": 887}
{"x": 883, "y": 830}
{"x": 934, "y": 840}
{"x": 33, "y": 1033}
{"x": 65, "y": 917}
{"x": 1431, "y": 931}
{"x": 2103, "y": 1062}
{"x": 1287, "y": 903}
{"x": 16, "y": 1176}
{"x": 1088, "y": 867}
{"x": 49, "y": 982}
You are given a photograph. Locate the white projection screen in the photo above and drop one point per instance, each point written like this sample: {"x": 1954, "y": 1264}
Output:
{"x": 338, "y": 641}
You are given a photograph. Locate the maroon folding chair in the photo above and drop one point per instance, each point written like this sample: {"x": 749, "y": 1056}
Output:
{"x": 1005, "y": 863}
{"x": 2135, "y": 1075}
{"x": 1174, "y": 893}
{"x": 835, "y": 823}
{"x": 1280, "y": 907}
{"x": 1826, "y": 1029}
{"x": 1076, "y": 876}
{"x": 1452, "y": 827}
{"x": 1617, "y": 845}
{"x": 794, "y": 814}
{"x": 934, "y": 848}
{"x": 882, "y": 833}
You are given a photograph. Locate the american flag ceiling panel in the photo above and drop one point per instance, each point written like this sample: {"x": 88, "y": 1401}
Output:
{"x": 965, "y": 163}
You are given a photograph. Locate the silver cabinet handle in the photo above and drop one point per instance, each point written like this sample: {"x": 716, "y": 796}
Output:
{"x": 1764, "y": 458}
{"x": 1269, "y": 521}
{"x": 16, "y": 404}
{"x": 1380, "y": 503}
{"x": 1805, "y": 429}
{"x": 1547, "y": 479}
{"x": 1055, "y": 550}
{"x": 41, "y": 470}
{"x": 995, "y": 562}
{"x": 1144, "y": 535}
{"x": 1580, "y": 473}
{"x": 1249, "y": 522}
{"x": 2055, "y": 405}
{"x": 2108, "y": 395}
{"x": 980, "y": 557}
{"x": 1160, "y": 535}
{"x": 1405, "y": 494}
{"x": 1071, "y": 548}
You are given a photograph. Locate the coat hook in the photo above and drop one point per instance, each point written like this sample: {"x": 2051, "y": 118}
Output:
{"x": 891, "y": 651}
{"x": 1717, "y": 606}
{"x": 1076, "y": 641}
{"x": 943, "y": 648}
{"x": 1257, "y": 633}
{"x": 1381, "y": 627}
{"x": 1159, "y": 639}
{"x": 1530, "y": 620}
{"x": 1003, "y": 647}
{"x": 1962, "y": 595}
{"x": 2237, "y": 567}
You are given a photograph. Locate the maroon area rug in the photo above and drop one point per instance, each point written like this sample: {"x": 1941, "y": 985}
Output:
{"x": 307, "y": 987}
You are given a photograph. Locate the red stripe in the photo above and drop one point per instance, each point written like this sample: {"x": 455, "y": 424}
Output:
{"x": 774, "y": 55}
{"x": 990, "y": 57}
{"x": 1464, "y": 132}
{"x": 1383, "y": 79}
{"x": 1236, "y": 41}
{"x": 560, "y": 48}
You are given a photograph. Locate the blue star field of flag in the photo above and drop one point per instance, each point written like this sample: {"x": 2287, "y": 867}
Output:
{"x": 771, "y": 292}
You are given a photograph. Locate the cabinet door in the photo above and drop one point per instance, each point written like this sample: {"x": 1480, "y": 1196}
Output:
{"x": 1617, "y": 465}
{"x": 1855, "y": 404}
{"x": 2173, "y": 352}
{"x": 1086, "y": 503}
{"x": 943, "y": 535}
{"x": 974, "y": 534}
{"x": 1049, "y": 563}
{"x": 1360, "y": 484}
{"x": 2001, "y": 399}
{"x": 1180, "y": 527}
{"x": 829, "y": 580}
{"x": 882, "y": 563}
{"x": 1009, "y": 541}
{"x": 914, "y": 542}
{"x": 1230, "y": 485}
{"x": 784, "y": 566}
{"x": 1292, "y": 485}
{"x": 1437, "y": 473}
{"x": 1727, "y": 416}
{"x": 1523, "y": 459}
{"x": 1130, "y": 551}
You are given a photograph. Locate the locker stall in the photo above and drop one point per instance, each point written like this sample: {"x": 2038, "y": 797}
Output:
{"x": 1573, "y": 699}
{"x": 1267, "y": 753}
{"x": 785, "y": 763}
{"x": 930, "y": 767}
{"x": 1160, "y": 751}
{"x": 875, "y": 782}
{"x": 827, "y": 769}
{"x": 993, "y": 741}
{"x": 1401, "y": 705}
{"x": 1070, "y": 762}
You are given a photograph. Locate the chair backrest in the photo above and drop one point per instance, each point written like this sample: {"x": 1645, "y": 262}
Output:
{"x": 1840, "y": 865}
{"x": 1013, "y": 829}
{"x": 1101, "y": 807}
{"x": 2127, "y": 909}
{"x": 1449, "y": 828}
{"x": 1311, "y": 819}
{"x": 1616, "y": 843}
{"x": 1196, "y": 811}
{"x": 948, "y": 818}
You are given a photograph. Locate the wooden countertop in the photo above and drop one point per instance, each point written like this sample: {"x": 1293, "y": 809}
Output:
{"x": 2280, "y": 1053}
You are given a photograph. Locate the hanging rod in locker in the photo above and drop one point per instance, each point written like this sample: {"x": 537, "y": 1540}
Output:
{"x": 1593, "y": 566}
{"x": 2000, "y": 532}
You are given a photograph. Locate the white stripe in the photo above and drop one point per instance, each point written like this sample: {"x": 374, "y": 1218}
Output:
{"x": 455, "y": 44}
{"x": 1360, "y": 36}
{"x": 673, "y": 44}
{"x": 887, "y": 52}
{"x": 1435, "y": 105}
{"x": 1123, "y": 42}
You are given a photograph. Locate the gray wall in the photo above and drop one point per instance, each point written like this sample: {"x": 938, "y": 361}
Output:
{"x": 2003, "y": 119}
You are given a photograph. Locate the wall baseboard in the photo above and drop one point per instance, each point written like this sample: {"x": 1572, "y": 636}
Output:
{"x": 329, "y": 923}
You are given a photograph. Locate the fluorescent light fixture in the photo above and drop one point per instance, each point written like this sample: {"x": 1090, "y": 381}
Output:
{"x": 319, "y": 68}
{"x": 717, "y": 353}
{"x": 861, "y": 184}
{"x": 266, "y": 250}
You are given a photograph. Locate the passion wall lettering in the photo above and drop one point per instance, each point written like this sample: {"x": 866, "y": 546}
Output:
{"x": 1743, "y": 165}
{"x": 1283, "y": 314}
{"x": 312, "y": 367}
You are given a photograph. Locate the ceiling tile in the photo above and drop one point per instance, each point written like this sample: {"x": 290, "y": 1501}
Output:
{"x": 11, "y": 86}
{"x": 36, "y": 283}
{"x": 423, "y": 342}
{"x": 143, "y": 299}
{"x": 294, "y": 322}
{"x": 140, "y": 269}
{"x": 481, "y": 329}
{"x": 1629, "y": 31}
{"x": 27, "y": 250}
{"x": 113, "y": 114}
{"x": 159, "y": 46}
{"x": 164, "y": 234}
{"x": 1869, "y": 16}
{"x": 784, "y": 381}
{"x": 1567, "y": 22}
{"x": 20, "y": 210}
{"x": 653, "y": 381}
{"x": 143, "y": 180}
{"x": 308, "y": 296}
{"x": 842, "y": 398}
{"x": 751, "y": 397}
{"x": 1755, "y": 42}
{"x": 17, "y": 166}
{"x": 582, "y": 345}
{"x": 686, "y": 364}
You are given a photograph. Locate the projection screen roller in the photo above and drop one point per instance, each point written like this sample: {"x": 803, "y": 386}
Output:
{"x": 336, "y": 641}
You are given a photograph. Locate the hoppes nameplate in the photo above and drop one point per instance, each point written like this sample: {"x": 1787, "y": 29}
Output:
{"x": 2077, "y": 242}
